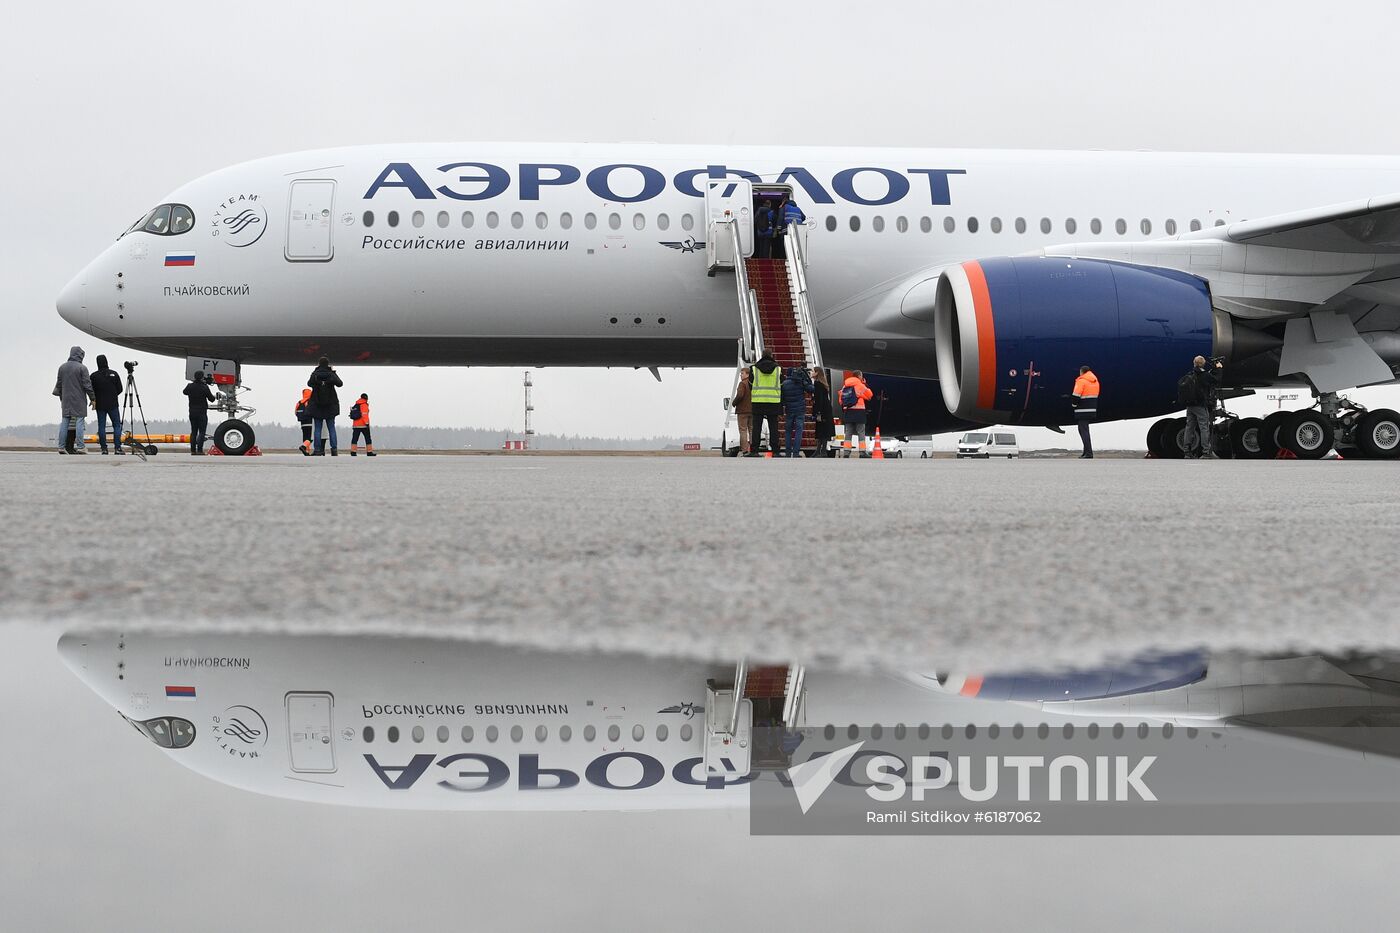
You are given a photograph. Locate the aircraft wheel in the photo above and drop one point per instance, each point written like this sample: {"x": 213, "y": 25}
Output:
{"x": 1307, "y": 434}
{"x": 1269, "y": 443}
{"x": 1154, "y": 437}
{"x": 1245, "y": 437}
{"x": 1378, "y": 434}
{"x": 234, "y": 438}
{"x": 1174, "y": 438}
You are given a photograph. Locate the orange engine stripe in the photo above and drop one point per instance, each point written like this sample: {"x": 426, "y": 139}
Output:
{"x": 971, "y": 687}
{"x": 986, "y": 336}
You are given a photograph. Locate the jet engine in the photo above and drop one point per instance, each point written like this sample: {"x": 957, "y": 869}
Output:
{"x": 1011, "y": 334}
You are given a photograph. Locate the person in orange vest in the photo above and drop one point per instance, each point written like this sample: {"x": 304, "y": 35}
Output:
{"x": 359, "y": 422}
{"x": 303, "y": 413}
{"x": 1086, "y": 407}
{"x": 853, "y": 395}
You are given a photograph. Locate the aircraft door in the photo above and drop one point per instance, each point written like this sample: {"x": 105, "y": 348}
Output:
{"x": 310, "y": 209}
{"x": 310, "y": 721}
{"x": 728, "y": 197}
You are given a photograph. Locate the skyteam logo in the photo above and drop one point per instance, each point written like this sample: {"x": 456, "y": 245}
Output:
{"x": 240, "y": 731}
{"x": 240, "y": 220}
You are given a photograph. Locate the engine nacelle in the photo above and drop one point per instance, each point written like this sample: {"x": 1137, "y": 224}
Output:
{"x": 1011, "y": 334}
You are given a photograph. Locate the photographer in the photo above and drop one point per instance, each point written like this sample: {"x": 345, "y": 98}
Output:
{"x": 107, "y": 396}
{"x": 200, "y": 396}
{"x": 1200, "y": 405}
{"x": 325, "y": 404}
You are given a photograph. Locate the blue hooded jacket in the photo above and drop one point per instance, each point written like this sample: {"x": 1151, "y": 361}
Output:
{"x": 797, "y": 385}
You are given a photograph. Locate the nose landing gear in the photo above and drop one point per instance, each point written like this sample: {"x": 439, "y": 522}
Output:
{"x": 233, "y": 437}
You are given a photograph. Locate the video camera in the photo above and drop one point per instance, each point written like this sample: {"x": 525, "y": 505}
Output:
{"x": 130, "y": 365}
{"x": 1218, "y": 361}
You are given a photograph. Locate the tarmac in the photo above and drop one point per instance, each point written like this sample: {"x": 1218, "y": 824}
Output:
{"x": 853, "y": 564}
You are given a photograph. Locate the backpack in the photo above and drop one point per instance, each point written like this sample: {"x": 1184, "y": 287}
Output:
{"x": 1188, "y": 390}
{"x": 763, "y": 222}
{"x": 355, "y": 412}
{"x": 848, "y": 397}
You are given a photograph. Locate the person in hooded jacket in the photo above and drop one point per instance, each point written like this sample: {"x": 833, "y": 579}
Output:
{"x": 200, "y": 396}
{"x": 796, "y": 388}
{"x": 325, "y": 404}
{"x": 107, "y": 399}
{"x": 360, "y": 425}
{"x": 853, "y": 409}
{"x": 303, "y": 413}
{"x": 766, "y": 397}
{"x": 1086, "y": 407}
{"x": 73, "y": 388}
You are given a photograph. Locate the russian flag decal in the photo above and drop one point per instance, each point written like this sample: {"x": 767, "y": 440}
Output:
{"x": 179, "y": 259}
{"x": 179, "y": 693}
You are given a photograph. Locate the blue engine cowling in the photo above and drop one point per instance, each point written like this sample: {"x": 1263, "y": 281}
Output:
{"x": 1011, "y": 335}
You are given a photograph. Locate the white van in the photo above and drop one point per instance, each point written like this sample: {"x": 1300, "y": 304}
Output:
{"x": 988, "y": 443}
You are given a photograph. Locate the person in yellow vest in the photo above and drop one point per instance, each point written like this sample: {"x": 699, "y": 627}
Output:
{"x": 359, "y": 422}
{"x": 766, "y": 397}
{"x": 1086, "y": 407}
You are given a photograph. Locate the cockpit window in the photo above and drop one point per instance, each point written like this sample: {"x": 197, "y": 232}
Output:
{"x": 181, "y": 219}
{"x": 167, "y": 732}
{"x": 165, "y": 220}
{"x": 159, "y": 221}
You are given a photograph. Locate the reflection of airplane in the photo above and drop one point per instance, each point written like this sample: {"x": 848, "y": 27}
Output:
{"x": 452, "y": 725}
{"x": 533, "y": 254}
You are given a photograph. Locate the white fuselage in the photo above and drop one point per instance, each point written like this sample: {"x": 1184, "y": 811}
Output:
{"x": 558, "y": 254}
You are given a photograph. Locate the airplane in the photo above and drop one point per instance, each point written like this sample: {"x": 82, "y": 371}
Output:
{"x": 418, "y": 723}
{"x": 970, "y": 284}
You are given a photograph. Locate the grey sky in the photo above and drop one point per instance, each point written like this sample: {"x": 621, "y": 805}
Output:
{"x": 109, "y": 107}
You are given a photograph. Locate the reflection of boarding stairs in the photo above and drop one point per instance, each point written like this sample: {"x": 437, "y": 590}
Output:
{"x": 746, "y": 721}
{"x": 774, "y": 313}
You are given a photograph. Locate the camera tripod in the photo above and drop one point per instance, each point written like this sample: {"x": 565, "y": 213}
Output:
{"x": 131, "y": 405}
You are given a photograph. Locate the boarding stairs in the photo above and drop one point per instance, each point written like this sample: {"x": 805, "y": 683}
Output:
{"x": 749, "y": 722}
{"x": 775, "y": 313}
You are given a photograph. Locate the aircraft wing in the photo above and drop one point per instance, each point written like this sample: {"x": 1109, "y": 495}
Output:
{"x": 1367, "y": 226}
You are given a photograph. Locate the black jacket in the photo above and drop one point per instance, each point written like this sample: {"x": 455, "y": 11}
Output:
{"x": 106, "y": 389}
{"x": 199, "y": 396}
{"x": 1207, "y": 381}
{"x": 325, "y": 402}
{"x": 797, "y": 385}
{"x": 821, "y": 403}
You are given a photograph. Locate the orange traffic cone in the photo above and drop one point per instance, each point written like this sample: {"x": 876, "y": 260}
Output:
{"x": 768, "y": 455}
{"x": 879, "y": 452}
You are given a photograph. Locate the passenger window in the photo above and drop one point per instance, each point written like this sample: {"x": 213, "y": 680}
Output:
{"x": 614, "y": 733}
{"x": 687, "y": 222}
{"x": 1219, "y": 222}
{"x": 1071, "y": 225}
{"x": 467, "y": 220}
{"x": 1096, "y": 226}
{"x": 638, "y": 733}
{"x": 926, "y": 224}
{"x": 541, "y": 733}
{"x": 368, "y": 734}
{"x": 639, "y": 222}
{"x": 1145, "y": 226}
{"x": 1121, "y": 226}
{"x": 901, "y": 224}
{"x": 492, "y": 733}
{"x": 442, "y": 733}
{"x": 368, "y": 219}
{"x": 661, "y": 733}
{"x": 541, "y": 220}
{"x": 1045, "y": 225}
{"x": 467, "y": 734}
{"x": 443, "y": 220}
{"x": 417, "y": 733}
{"x": 181, "y": 219}
{"x": 831, "y": 222}
{"x": 1020, "y": 225}
{"x": 566, "y": 220}
{"x": 493, "y": 219}
{"x": 878, "y": 224}
{"x": 663, "y": 222}
{"x": 565, "y": 733}
{"x": 949, "y": 225}
{"x": 590, "y": 221}
{"x": 159, "y": 221}
{"x": 1195, "y": 225}
{"x": 1171, "y": 228}
{"x": 972, "y": 225}
{"x": 589, "y": 733}
{"x": 393, "y": 733}
{"x": 615, "y": 221}
{"x": 855, "y": 223}
{"x": 517, "y": 220}
{"x": 393, "y": 218}
{"x": 996, "y": 224}
{"x": 686, "y": 732}
{"x": 417, "y": 218}
{"x": 516, "y": 733}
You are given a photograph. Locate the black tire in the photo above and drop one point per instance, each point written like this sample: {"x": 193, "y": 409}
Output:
{"x": 1245, "y": 435}
{"x": 1154, "y": 437}
{"x": 1221, "y": 444}
{"x": 151, "y": 450}
{"x": 234, "y": 438}
{"x": 1269, "y": 445}
{"x": 1173, "y": 440}
{"x": 1378, "y": 434}
{"x": 1307, "y": 435}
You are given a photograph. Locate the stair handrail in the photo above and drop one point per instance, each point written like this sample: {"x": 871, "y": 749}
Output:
{"x": 750, "y": 333}
{"x": 741, "y": 677}
{"x": 797, "y": 273}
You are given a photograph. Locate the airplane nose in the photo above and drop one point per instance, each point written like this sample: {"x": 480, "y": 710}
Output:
{"x": 73, "y": 649}
{"x": 72, "y": 303}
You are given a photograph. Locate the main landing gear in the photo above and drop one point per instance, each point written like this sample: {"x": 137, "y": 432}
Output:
{"x": 1310, "y": 434}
